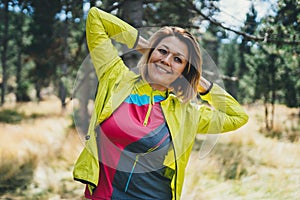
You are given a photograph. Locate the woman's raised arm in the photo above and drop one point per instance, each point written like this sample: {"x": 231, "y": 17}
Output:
{"x": 101, "y": 27}
{"x": 226, "y": 115}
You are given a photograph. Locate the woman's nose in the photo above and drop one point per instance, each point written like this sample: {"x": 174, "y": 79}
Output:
{"x": 166, "y": 60}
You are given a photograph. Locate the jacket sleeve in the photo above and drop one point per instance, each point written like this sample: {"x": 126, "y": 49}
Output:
{"x": 224, "y": 113}
{"x": 101, "y": 27}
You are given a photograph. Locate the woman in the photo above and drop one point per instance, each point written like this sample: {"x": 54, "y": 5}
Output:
{"x": 143, "y": 126}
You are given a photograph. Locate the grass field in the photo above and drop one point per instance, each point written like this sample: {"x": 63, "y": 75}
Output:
{"x": 247, "y": 165}
{"x": 37, "y": 154}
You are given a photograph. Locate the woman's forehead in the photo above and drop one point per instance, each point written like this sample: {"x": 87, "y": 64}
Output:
{"x": 174, "y": 45}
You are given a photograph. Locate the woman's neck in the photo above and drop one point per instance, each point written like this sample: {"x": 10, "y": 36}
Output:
{"x": 157, "y": 87}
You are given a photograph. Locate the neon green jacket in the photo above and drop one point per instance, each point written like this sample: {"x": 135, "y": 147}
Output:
{"x": 116, "y": 81}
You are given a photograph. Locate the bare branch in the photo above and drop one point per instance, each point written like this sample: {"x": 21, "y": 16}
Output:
{"x": 266, "y": 38}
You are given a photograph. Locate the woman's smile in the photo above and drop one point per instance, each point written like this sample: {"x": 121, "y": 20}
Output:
{"x": 161, "y": 69}
{"x": 167, "y": 62}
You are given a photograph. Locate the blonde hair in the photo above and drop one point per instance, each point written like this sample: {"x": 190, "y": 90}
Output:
{"x": 185, "y": 87}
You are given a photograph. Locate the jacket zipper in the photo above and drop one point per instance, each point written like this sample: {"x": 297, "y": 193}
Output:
{"x": 141, "y": 154}
{"x": 131, "y": 172}
{"x": 151, "y": 103}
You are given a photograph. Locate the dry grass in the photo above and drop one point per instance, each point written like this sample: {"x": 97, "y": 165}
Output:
{"x": 247, "y": 165}
{"x": 37, "y": 156}
{"x": 45, "y": 147}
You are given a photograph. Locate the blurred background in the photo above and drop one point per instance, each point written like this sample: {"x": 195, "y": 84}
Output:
{"x": 250, "y": 47}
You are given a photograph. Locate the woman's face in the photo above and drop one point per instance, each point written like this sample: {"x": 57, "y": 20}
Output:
{"x": 167, "y": 62}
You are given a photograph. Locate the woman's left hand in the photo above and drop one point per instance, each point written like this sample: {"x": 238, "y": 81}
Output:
{"x": 142, "y": 45}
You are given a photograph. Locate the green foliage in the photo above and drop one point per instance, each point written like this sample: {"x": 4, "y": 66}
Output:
{"x": 10, "y": 116}
{"x": 281, "y": 59}
{"x": 41, "y": 47}
{"x": 47, "y": 49}
{"x": 170, "y": 12}
{"x": 22, "y": 91}
{"x": 229, "y": 65}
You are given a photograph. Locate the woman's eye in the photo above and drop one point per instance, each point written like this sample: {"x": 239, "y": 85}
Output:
{"x": 162, "y": 51}
{"x": 177, "y": 59}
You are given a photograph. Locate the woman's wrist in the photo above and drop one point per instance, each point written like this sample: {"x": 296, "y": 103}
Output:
{"x": 204, "y": 86}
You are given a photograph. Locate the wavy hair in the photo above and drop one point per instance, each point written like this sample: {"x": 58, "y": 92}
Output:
{"x": 185, "y": 86}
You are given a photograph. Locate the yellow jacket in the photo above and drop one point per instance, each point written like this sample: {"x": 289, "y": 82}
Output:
{"x": 116, "y": 81}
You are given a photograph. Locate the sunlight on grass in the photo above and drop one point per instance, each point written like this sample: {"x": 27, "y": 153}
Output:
{"x": 37, "y": 156}
{"x": 42, "y": 149}
{"x": 247, "y": 165}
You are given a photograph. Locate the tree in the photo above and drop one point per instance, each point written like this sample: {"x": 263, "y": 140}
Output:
{"x": 4, "y": 43}
{"x": 168, "y": 13}
{"x": 249, "y": 28}
{"x": 286, "y": 24}
{"x": 229, "y": 63}
{"x": 40, "y": 49}
{"x": 267, "y": 83}
{"x": 20, "y": 21}
{"x": 86, "y": 80}
{"x": 131, "y": 12}
{"x": 279, "y": 64}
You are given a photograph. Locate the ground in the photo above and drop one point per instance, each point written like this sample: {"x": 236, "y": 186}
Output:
{"x": 37, "y": 156}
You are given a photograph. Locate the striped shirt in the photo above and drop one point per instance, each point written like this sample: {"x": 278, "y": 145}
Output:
{"x": 132, "y": 144}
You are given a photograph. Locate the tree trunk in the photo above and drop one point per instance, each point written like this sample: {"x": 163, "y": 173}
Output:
{"x": 22, "y": 88}
{"x": 131, "y": 11}
{"x": 4, "y": 53}
{"x": 93, "y": 3}
{"x": 267, "y": 116}
{"x": 266, "y": 100}
{"x": 19, "y": 92}
{"x": 273, "y": 87}
{"x": 62, "y": 92}
{"x": 38, "y": 91}
{"x": 62, "y": 87}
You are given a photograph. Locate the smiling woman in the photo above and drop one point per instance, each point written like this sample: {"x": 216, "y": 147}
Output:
{"x": 175, "y": 51}
{"x": 166, "y": 64}
{"x": 144, "y": 124}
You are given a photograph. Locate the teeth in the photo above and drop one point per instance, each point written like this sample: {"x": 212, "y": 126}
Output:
{"x": 162, "y": 70}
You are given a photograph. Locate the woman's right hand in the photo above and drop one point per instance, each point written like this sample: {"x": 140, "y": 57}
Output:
{"x": 204, "y": 85}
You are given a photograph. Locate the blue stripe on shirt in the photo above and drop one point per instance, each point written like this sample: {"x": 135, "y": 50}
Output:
{"x": 142, "y": 100}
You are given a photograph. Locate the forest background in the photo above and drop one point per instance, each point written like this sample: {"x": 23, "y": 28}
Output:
{"x": 45, "y": 71}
